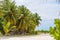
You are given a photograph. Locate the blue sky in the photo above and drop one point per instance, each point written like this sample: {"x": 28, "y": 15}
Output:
{"x": 47, "y": 9}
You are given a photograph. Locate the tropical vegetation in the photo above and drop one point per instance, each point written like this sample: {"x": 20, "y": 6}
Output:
{"x": 17, "y": 19}
{"x": 55, "y": 32}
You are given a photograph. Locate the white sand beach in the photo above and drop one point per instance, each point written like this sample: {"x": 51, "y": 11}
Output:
{"x": 36, "y": 37}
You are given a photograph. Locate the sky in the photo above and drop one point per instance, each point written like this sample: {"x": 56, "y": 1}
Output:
{"x": 47, "y": 9}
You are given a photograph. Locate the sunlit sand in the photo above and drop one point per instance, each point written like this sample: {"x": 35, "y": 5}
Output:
{"x": 36, "y": 37}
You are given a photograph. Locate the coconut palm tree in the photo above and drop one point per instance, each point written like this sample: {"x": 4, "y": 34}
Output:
{"x": 34, "y": 21}
{"x": 19, "y": 18}
{"x": 27, "y": 21}
{"x": 9, "y": 11}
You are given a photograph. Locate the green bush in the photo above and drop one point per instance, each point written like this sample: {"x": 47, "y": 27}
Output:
{"x": 55, "y": 32}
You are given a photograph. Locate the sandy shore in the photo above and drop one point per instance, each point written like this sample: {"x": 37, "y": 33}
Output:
{"x": 36, "y": 37}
